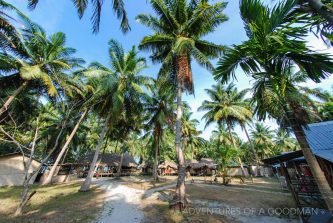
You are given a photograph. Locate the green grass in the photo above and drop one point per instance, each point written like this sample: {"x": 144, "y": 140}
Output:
{"x": 53, "y": 204}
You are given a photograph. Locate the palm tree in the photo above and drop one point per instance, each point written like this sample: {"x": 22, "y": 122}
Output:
{"x": 227, "y": 106}
{"x": 118, "y": 7}
{"x": 273, "y": 46}
{"x": 324, "y": 106}
{"x": 77, "y": 114}
{"x": 8, "y": 32}
{"x": 189, "y": 129}
{"x": 40, "y": 62}
{"x": 262, "y": 137}
{"x": 317, "y": 13}
{"x": 178, "y": 30}
{"x": 221, "y": 136}
{"x": 225, "y": 153}
{"x": 159, "y": 115}
{"x": 283, "y": 142}
{"x": 118, "y": 95}
{"x": 196, "y": 144}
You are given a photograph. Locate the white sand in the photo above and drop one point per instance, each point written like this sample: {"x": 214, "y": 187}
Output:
{"x": 122, "y": 204}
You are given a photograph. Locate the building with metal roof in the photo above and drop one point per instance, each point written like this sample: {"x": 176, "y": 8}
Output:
{"x": 320, "y": 139}
{"x": 302, "y": 186}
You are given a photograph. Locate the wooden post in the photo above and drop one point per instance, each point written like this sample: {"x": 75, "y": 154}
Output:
{"x": 292, "y": 190}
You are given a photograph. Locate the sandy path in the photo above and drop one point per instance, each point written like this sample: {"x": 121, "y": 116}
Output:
{"x": 122, "y": 204}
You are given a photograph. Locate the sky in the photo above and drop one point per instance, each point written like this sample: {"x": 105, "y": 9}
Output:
{"x": 61, "y": 16}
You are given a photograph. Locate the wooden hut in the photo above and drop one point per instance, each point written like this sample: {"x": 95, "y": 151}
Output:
{"x": 108, "y": 164}
{"x": 209, "y": 167}
{"x": 168, "y": 167}
{"x": 206, "y": 167}
{"x": 146, "y": 167}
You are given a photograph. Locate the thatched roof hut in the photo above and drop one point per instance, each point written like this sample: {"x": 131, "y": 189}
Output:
{"x": 166, "y": 164}
{"x": 204, "y": 166}
{"x": 146, "y": 167}
{"x": 110, "y": 159}
{"x": 168, "y": 167}
{"x": 208, "y": 162}
{"x": 193, "y": 164}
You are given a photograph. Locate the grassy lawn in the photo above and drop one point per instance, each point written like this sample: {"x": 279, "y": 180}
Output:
{"x": 52, "y": 204}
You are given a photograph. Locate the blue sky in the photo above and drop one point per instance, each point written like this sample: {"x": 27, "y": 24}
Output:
{"x": 60, "y": 15}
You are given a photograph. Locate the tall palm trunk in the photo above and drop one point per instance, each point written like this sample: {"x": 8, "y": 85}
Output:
{"x": 312, "y": 161}
{"x": 86, "y": 184}
{"x": 323, "y": 10}
{"x": 234, "y": 144}
{"x": 12, "y": 97}
{"x": 48, "y": 179}
{"x": 116, "y": 147}
{"x": 253, "y": 150}
{"x": 120, "y": 165}
{"x": 180, "y": 188}
{"x": 156, "y": 148}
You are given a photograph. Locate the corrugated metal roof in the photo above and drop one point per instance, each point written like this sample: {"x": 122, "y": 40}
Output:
{"x": 285, "y": 156}
{"x": 320, "y": 138}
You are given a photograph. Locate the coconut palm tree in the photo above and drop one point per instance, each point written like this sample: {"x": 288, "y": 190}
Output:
{"x": 189, "y": 128}
{"x": 179, "y": 27}
{"x": 228, "y": 106}
{"x": 273, "y": 46}
{"x": 224, "y": 152}
{"x": 118, "y": 95}
{"x": 8, "y": 33}
{"x": 324, "y": 104}
{"x": 76, "y": 115}
{"x": 159, "y": 115}
{"x": 221, "y": 136}
{"x": 118, "y": 7}
{"x": 262, "y": 137}
{"x": 196, "y": 144}
{"x": 283, "y": 142}
{"x": 38, "y": 61}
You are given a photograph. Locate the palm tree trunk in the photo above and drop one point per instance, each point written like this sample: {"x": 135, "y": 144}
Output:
{"x": 120, "y": 165}
{"x": 12, "y": 97}
{"x": 116, "y": 147}
{"x": 312, "y": 161}
{"x": 179, "y": 198}
{"x": 155, "y": 175}
{"x": 253, "y": 150}
{"x": 234, "y": 144}
{"x": 323, "y": 10}
{"x": 48, "y": 179}
{"x": 86, "y": 184}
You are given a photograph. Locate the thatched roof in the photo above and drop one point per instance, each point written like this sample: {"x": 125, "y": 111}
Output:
{"x": 208, "y": 163}
{"x": 145, "y": 164}
{"x": 167, "y": 163}
{"x": 194, "y": 164}
{"x": 204, "y": 162}
{"x": 207, "y": 160}
{"x": 110, "y": 159}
